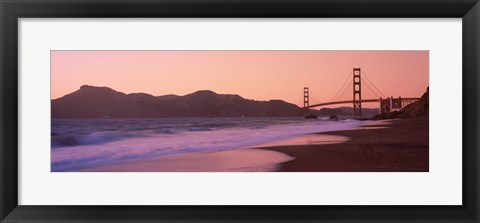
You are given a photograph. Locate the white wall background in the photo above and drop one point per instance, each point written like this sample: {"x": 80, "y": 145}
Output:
{"x": 441, "y": 186}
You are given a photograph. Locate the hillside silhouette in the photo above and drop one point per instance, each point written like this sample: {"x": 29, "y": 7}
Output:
{"x": 103, "y": 102}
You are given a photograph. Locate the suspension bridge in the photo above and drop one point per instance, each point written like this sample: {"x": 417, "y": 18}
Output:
{"x": 355, "y": 79}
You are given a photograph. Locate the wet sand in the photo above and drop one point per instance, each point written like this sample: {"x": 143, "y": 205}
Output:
{"x": 402, "y": 147}
{"x": 385, "y": 146}
{"x": 239, "y": 160}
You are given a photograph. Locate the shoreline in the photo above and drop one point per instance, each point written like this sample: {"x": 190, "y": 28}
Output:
{"x": 381, "y": 146}
{"x": 237, "y": 160}
{"x": 248, "y": 159}
{"x": 402, "y": 147}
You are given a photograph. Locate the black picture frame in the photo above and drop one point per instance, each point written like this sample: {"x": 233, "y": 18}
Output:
{"x": 12, "y": 10}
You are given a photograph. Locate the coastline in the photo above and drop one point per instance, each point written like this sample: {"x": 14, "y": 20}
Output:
{"x": 402, "y": 147}
{"x": 382, "y": 146}
{"x": 238, "y": 160}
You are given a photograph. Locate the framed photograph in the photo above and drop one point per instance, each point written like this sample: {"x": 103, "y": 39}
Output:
{"x": 188, "y": 129}
{"x": 265, "y": 111}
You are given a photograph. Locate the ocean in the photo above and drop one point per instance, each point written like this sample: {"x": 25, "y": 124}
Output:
{"x": 82, "y": 143}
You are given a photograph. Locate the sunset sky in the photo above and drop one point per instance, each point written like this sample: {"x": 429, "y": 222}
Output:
{"x": 259, "y": 75}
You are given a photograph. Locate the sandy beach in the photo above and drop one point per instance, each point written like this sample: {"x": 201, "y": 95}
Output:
{"x": 384, "y": 146}
{"x": 239, "y": 160}
{"x": 402, "y": 147}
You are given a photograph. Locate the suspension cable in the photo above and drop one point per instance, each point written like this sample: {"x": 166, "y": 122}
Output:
{"x": 370, "y": 88}
{"x": 372, "y": 83}
{"x": 348, "y": 78}
{"x": 344, "y": 90}
{"x": 345, "y": 86}
{"x": 315, "y": 98}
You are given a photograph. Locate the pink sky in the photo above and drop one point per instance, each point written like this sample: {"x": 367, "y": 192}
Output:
{"x": 259, "y": 75}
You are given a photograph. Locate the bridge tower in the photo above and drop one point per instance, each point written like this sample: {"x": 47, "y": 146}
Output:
{"x": 357, "y": 92}
{"x": 306, "y": 102}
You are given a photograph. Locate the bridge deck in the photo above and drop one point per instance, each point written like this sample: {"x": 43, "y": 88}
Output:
{"x": 363, "y": 101}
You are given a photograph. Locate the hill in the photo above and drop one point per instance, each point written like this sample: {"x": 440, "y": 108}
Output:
{"x": 101, "y": 102}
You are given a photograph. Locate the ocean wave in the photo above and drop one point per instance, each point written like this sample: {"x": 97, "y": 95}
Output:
{"x": 100, "y": 148}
